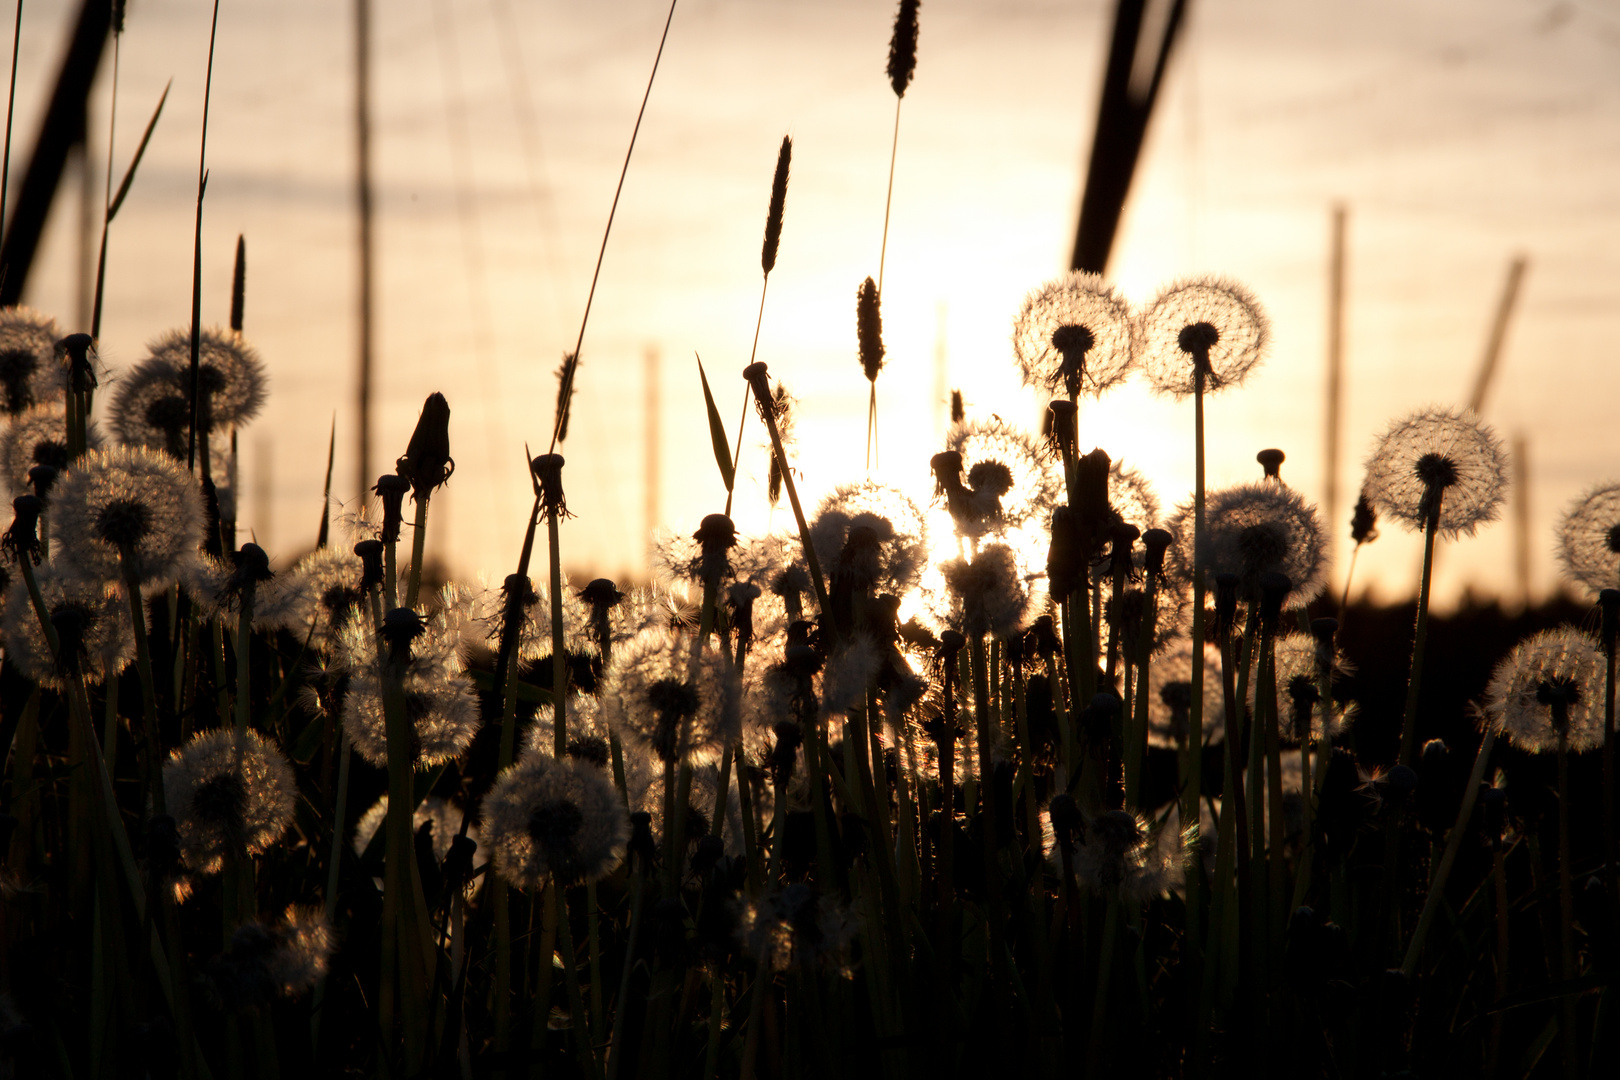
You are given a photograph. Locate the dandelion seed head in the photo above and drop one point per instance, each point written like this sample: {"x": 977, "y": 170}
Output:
{"x": 893, "y": 522}
{"x": 1012, "y": 467}
{"x": 1255, "y": 529}
{"x": 1438, "y": 453}
{"x": 1170, "y": 697}
{"x": 38, "y": 436}
{"x": 227, "y": 366}
{"x": 105, "y": 640}
{"x": 988, "y": 596}
{"x": 1589, "y": 539}
{"x": 1074, "y": 335}
{"x": 29, "y": 373}
{"x": 440, "y": 704}
{"x": 549, "y": 820}
{"x": 652, "y": 696}
{"x": 1562, "y": 667}
{"x": 126, "y": 503}
{"x": 1297, "y": 660}
{"x": 443, "y": 819}
{"x": 1209, "y": 320}
{"x": 795, "y": 927}
{"x": 223, "y": 788}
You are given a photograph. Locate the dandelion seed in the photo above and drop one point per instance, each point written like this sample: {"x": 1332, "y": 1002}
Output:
{"x": 1206, "y": 323}
{"x": 1549, "y": 687}
{"x": 1589, "y": 539}
{"x": 29, "y": 374}
{"x": 126, "y": 507}
{"x": 1075, "y": 336}
{"x": 549, "y": 820}
{"x": 1443, "y": 457}
{"x": 226, "y": 790}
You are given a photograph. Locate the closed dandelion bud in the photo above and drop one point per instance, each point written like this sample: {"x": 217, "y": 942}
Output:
{"x": 758, "y": 377}
{"x": 391, "y": 488}
{"x": 228, "y": 790}
{"x": 252, "y": 567}
{"x": 602, "y": 595}
{"x": 1304, "y": 695}
{"x": 869, "y": 329}
{"x": 641, "y": 845}
{"x": 958, "y": 410}
{"x": 1060, "y": 419}
{"x": 78, "y": 349}
{"x": 370, "y": 553}
{"x": 740, "y": 597}
{"x": 1271, "y": 461}
{"x": 1091, "y": 499}
{"x": 1274, "y": 589}
{"x": 1066, "y": 820}
{"x": 773, "y": 219}
{"x": 1123, "y": 537}
{"x": 903, "y": 47}
{"x": 42, "y": 478}
{"x": 716, "y": 535}
{"x": 22, "y": 539}
{"x": 1155, "y": 542}
{"x": 547, "y": 469}
{"x": 400, "y": 628}
{"x": 427, "y": 462}
{"x": 1364, "y": 521}
{"x": 549, "y": 820}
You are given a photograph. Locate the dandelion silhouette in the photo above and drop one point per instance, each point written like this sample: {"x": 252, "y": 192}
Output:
{"x": 1075, "y": 336}
{"x": 548, "y": 820}
{"x": 29, "y": 374}
{"x": 1439, "y": 465}
{"x": 1209, "y": 327}
{"x": 1547, "y": 691}
{"x": 126, "y": 510}
{"x": 228, "y": 789}
{"x": 1589, "y": 539}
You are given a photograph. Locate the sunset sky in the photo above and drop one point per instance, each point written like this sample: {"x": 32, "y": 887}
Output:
{"x": 1457, "y": 134}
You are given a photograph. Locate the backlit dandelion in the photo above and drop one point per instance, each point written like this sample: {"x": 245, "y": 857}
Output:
{"x": 92, "y": 624}
{"x": 1123, "y": 854}
{"x": 1589, "y": 539}
{"x": 1550, "y": 686}
{"x": 1170, "y": 697}
{"x": 440, "y": 705}
{"x": 652, "y": 697}
{"x": 265, "y": 961}
{"x": 1438, "y": 458}
{"x": 988, "y": 595}
{"x": 229, "y": 370}
{"x": 126, "y": 511}
{"x": 1254, "y": 529}
{"x": 1074, "y": 336}
{"x": 549, "y": 820}
{"x": 1005, "y": 481}
{"x": 796, "y": 928}
{"x": 872, "y": 533}
{"x": 1206, "y": 323}
{"x": 29, "y": 373}
{"x": 38, "y": 436}
{"x": 227, "y": 789}
{"x": 1297, "y": 661}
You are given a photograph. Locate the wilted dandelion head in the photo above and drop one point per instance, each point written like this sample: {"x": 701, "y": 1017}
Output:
{"x": 1550, "y": 686}
{"x": 126, "y": 504}
{"x": 873, "y": 533}
{"x": 653, "y": 697}
{"x": 795, "y": 927}
{"x": 549, "y": 820}
{"x": 228, "y": 370}
{"x": 92, "y": 621}
{"x": 38, "y": 436}
{"x": 1074, "y": 335}
{"x": 1170, "y": 697}
{"x": 1589, "y": 539}
{"x": 439, "y": 701}
{"x": 989, "y": 594}
{"x": 1254, "y": 529}
{"x": 1438, "y": 457}
{"x": 1206, "y": 322}
{"x": 226, "y": 790}
{"x": 1005, "y": 479}
{"x": 29, "y": 373}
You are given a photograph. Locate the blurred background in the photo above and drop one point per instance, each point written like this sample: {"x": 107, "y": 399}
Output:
{"x": 1456, "y": 136}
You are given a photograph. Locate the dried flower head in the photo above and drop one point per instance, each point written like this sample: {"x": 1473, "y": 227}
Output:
{"x": 38, "y": 436}
{"x": 1205, "y": 323}
{"x": 1438, "y": 457}
{"x": 989, "y": 594}
{"x": 91, "y": 620}
{"x": 554, "y": 820}
{"x": 1004, "y": 480}
{"x": 796, "y": 928}
{"x": 1075, "y": 336}
{"x": 1254, "y": 529}
{"x": 228, "y": 790}
{"x": 1550, "y": 687}
{"x": 29, "y": 373}
{"x": 329, "y": 580}
{"x": 1297, "y": 658}
{"x": 1589, "y": 539}
{"x": 874, "y": 533}
{"x": 126, "y": 505}
{"x": 656, "y": 696}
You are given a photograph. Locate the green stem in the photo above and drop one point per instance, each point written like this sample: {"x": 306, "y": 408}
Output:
{"x": 1193, "y": 792}
{"x": 1437, "y": 887}
{"x": 1419, "y": 640}
{"x": 418, "y": 546}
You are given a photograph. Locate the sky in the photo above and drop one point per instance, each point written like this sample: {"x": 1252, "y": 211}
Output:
{"x": 1456, "y": 134}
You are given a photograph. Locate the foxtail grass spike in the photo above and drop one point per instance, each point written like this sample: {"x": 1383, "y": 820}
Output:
{"x": 869, "y": 328}
{"x": 565, "y": 394}
{"x": 239, "y": 284}
{"x": 573, "y": 361}
{"x": 773, "y": 219}
{"x": 903, "y": 47}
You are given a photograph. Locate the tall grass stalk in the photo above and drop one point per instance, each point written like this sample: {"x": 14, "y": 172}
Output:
{"x": 11, "y": 103}
{"x": 1437, "y": 886}
{"x": 196, "y": 251}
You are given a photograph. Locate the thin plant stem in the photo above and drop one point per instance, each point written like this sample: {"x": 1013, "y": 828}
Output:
{"x": 196, "y": 251}
{"x": 1566, "y": 908}
{"x": 143, "y": 664}
{"x": 1437, "y": 887}
{"x": 418, "y": 546}
{"x": 1193, "y": 791}
{"x": 1419, "y": 640}
{"x": 559, "y": 652}
{"x": 11, "y": 102}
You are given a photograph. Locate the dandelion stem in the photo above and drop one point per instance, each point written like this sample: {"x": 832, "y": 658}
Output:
{"x": 1437, "y": 887}
{"x": 1566, "y": 903}
{"x": 1419, "y": 639}
{"x": 418, "y": 545}
{"x": 559, "y": 649}
{"x": 143, "y": 664}
{"x": 1194, "y": 790}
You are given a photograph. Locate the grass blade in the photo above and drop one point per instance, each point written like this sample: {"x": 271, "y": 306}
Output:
{"x": 717, "y": 432}
{"x": 146, "y": 137}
